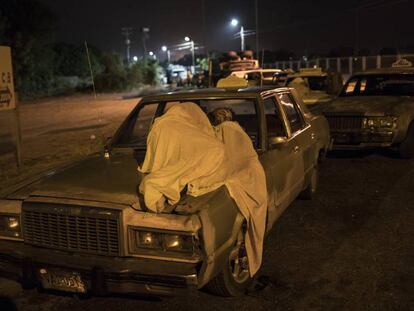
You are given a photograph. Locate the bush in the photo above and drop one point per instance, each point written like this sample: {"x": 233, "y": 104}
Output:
{"x": 114, "y": 75}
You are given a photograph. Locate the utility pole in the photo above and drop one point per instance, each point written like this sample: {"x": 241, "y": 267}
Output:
{"x": 126, "y": 32}
{"x": 145, "y": 34}
{"x": 242, "y": 38}
{"x": 192, "y": 55}
{"x": 256, "y": 9}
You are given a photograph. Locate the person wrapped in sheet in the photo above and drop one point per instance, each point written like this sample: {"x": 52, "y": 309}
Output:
{"x": 184, "y": 149}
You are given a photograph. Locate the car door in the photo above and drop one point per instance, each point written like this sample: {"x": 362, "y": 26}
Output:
{"x": 299, "y": 140}
{"x": 280, "y": 161}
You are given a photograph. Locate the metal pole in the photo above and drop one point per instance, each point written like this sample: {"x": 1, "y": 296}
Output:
{"x": 242, "y": 38}
{"x": 90, "y": 69}
{"x": 168, "y": 56}
{"x": 378, "y": 61}
{"x": 18, "y": 135}
{"x": 144, "y": 45}
{"x": 192, "y": 55}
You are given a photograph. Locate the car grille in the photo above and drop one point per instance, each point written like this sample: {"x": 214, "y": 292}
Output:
{"x": 345, "y": 122}
{"x": 57, "y": 226}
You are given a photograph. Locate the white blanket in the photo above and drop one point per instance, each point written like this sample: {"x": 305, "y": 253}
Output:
{"x": 183, "y": 149}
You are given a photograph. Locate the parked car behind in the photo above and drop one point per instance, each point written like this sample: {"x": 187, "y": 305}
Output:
{"x": 375, "y": 109}
{"x": 315, "y": 86}
{"x": 260, "y": 77}
{"x": 82, "y": 228}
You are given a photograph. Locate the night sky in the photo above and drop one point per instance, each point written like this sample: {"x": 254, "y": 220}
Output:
{"x": 302, "y": 26}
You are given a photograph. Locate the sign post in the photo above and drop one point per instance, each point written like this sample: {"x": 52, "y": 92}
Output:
{"x": 7, "y": 95}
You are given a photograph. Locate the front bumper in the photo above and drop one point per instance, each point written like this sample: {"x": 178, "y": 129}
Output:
{"x": 345, "y": 140}
{"x": 102, "y": 275}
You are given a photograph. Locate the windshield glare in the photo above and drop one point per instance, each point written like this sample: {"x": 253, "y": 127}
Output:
{"x": 380, "y": 85}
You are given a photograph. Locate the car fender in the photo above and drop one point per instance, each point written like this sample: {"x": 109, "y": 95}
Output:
{"x": 220, "y": 223}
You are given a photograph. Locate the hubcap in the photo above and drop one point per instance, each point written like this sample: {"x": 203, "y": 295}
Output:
{"x": 238, "y": 263}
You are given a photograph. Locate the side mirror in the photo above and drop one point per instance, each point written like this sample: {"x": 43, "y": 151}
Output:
{"x": 277, "y": 140}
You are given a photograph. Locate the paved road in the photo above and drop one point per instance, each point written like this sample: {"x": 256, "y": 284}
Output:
{"x": 349, "y": 249}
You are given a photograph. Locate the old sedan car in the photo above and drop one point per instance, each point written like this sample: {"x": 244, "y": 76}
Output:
{"x": 375, "y": 109}
{"x": 82, "y": 229}
{"x": 260, "y": 77}
{"x": 314, "y": 85}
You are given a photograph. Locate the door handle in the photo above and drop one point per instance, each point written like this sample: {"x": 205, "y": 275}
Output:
{"x": 296, "y": 149}
{"x": 313, "y": 136}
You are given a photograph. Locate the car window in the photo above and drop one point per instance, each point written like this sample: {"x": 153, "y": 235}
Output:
{"x": 274, "y": 122}
{"x": 135, "y": 130}
{"x": 380, "y": 85}
{"x": 244, "y": 113}
{"x": 350, "y": 86}
{"x": 292, "y": 112}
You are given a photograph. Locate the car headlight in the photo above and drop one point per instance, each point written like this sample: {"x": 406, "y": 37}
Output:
{"x": 388, "y": 122}
{"x": 10, "y": 226}
{"x": 144, "y": 240}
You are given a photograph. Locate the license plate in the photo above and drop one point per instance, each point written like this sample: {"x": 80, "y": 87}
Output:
{"x": 62, "y": 280}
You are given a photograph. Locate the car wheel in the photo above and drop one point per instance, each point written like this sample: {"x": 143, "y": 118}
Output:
{"x": 406, "y": 148}
{"x": 310, "y": 190}
{"x": 235, "y": 278}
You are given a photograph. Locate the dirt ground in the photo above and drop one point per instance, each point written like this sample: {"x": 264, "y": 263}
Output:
{"x": 58, "y": 130}
{"x": 351, "y": 248}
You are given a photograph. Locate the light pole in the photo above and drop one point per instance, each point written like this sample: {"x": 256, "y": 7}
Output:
{"x": 165, "y": 49}
{"x": 234, "y": 22}
{"x": 187, "y": 39}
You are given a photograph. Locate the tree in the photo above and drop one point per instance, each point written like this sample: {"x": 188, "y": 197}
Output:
{"x": 25, "y": 26}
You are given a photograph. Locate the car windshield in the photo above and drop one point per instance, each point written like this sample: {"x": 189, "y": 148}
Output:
{"x": 380, "y": 85}
{"x": 134, "y": 131}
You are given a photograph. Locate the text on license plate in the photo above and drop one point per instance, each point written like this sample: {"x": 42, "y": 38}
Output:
{"x": 62, "y": 280}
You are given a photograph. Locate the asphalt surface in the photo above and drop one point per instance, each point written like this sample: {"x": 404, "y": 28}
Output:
{"x": 351, "y": 248}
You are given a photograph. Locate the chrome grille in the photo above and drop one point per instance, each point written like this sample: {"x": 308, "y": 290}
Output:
{"x": 345, "y": 122}
{"x": 56, "y": 227}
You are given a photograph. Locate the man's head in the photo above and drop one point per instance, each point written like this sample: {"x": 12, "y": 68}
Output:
{"x": 219, "y": 115}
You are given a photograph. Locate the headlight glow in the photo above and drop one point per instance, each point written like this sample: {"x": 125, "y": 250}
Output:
{"x": 143, "y": 239}
{"x": 388, "y": 122}
{"x": 10, "y": 226}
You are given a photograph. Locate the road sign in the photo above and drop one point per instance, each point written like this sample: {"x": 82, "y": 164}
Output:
{"x": 7, "y": 97}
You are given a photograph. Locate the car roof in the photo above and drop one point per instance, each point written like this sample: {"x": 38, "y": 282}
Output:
{"x": 390, "y": 70}
{"x": 253, "y": 91}
{"x": 258, "y": 70}
{"x": 307, "y": 74}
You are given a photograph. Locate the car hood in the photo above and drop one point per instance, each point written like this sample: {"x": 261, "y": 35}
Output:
{"x": 370, "y": 105}
{"x": 113, "y": 180}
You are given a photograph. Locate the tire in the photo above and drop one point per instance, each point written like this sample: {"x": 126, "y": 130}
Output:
{"x": 406, "y": 148}
{"x": 310, "y": 190}
{"x": 234, "y": 279}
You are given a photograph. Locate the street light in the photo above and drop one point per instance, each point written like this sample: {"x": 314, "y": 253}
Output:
{"x": 135, "y": 58}
{"x": 187, "y": 39}
{"x": 234, "y": 22}
{"x": 165, "y": 49}
{"x": 151, "y": 53}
